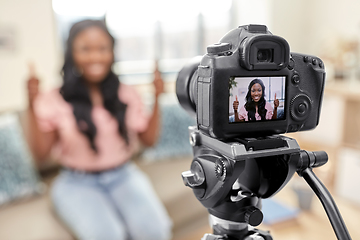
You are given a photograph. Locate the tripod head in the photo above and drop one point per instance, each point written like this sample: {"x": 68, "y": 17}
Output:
{"x": 230, "y": 178}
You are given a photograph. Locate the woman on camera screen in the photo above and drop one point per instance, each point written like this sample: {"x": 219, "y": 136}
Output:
{"x": 255, "y": 107}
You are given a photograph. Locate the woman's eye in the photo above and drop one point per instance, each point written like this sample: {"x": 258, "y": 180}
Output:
{"x": 104, "y": 49}
{"x": 84, "y": 49}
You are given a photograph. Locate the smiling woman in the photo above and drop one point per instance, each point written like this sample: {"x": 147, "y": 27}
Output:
{"x": 256, "y": 107}
{"x": 93, "y": 122}
{"x": 88, "y": 79}
{"x": 93, "y": 55}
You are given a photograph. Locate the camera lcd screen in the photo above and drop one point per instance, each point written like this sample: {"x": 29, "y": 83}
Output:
{"x": 256, "y": 99}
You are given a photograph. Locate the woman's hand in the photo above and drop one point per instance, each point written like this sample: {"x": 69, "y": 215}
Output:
{"x": 276, "y": 102}
{"x": 236, "y": 104}
{"x": 151, "y": 134}
{"x": 158, "y": 81}
{"x": 32, "y": 85}
{"x": 40, "y": 142}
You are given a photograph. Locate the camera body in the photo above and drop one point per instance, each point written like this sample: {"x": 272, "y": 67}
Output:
{"x": 211, "y": 84}
{"x": 244, "y": 91}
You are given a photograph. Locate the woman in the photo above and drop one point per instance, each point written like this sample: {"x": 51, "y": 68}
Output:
{"x": 92, "y": 124}
{"x": 255, "y": 108}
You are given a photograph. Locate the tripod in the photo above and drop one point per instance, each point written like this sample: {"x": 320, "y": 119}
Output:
{"x": 230, "y": 178}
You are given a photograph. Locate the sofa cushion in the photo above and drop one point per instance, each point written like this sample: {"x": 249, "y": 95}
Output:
{"x": 18, "y": 177}
{"x": 173, "y": 141}
{"x": 179, "y": 200}
{"x": 32, "y": 219}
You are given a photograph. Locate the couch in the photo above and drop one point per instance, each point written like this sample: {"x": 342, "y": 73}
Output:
{"x": 32, "y": 218}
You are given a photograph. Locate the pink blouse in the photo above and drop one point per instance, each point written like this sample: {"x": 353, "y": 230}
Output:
{"x": 243, "y": 114}
{"x": 73, "y": 147}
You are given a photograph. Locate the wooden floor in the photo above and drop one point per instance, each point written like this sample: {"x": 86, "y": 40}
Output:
{"x": 309, "y": 225}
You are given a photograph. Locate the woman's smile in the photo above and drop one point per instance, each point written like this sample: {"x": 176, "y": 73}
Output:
{"x": 95, "y": 69}
{"x": 256, "y": 92}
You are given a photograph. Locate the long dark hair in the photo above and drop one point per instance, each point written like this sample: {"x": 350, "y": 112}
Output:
{"x": 250, "y": 105}
{"x": 77, "y": 94}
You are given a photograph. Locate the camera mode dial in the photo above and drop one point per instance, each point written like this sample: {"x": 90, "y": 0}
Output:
{"x": 300, "y": 107}
{"x": 219, "y": 48}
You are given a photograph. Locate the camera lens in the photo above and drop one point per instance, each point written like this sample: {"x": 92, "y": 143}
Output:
{"x": 265, "y": 55}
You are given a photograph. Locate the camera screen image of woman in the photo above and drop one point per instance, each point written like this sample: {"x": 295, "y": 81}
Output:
{"x": 256, "y": 107}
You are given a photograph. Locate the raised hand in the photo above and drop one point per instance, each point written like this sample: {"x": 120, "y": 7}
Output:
{"x": 32, "y": 85}
{"x": 276, "y": 102}
{"x": 151, "y": 134}
{"x": 158, "y": 81}
{"x": 236, "y": 104}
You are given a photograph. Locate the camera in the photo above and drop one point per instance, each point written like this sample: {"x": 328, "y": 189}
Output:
{"x": 251, "y": 85}
{"x": 247, "y": 90}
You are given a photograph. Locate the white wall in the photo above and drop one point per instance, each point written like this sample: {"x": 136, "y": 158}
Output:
{"x": 252, "y": 12}
{"x": 309, "y": 26}
{"x": 314, "y": 27}
{"x": 35, "y": 40}
{"x": 288, "y": 22}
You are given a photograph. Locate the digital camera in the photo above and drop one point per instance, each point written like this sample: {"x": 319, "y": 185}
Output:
{"x": 250, "y": 85}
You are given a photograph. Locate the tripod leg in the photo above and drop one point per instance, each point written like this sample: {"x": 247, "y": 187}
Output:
{"x": 328, "y": 203}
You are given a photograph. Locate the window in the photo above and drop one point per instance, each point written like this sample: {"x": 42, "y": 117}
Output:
{"x": 170, "y": 31}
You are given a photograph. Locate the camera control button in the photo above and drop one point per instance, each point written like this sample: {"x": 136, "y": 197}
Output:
{"x": 218, "y": 48}
{"x": 300, "y": 107}
{"x": 307, "y": 59}
{"x": 315, "y": 61}
{"x": 295, "y": 78}
{"x": 291, "y": 64}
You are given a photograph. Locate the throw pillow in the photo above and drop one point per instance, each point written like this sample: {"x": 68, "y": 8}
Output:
{"x": 173, "y": 141}
{"x": 18, "y": 177}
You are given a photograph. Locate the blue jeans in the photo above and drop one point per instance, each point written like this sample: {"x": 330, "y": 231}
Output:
{"x": 116, "y": 204}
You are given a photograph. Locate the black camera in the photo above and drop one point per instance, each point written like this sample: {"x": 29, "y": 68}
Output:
{"x": 249, "y": 85}
{"x": 245, "y": 91}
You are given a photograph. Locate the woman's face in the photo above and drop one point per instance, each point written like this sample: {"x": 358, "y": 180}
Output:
{"x": 256, "y": 92}
{"x": 93, "y": 54}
